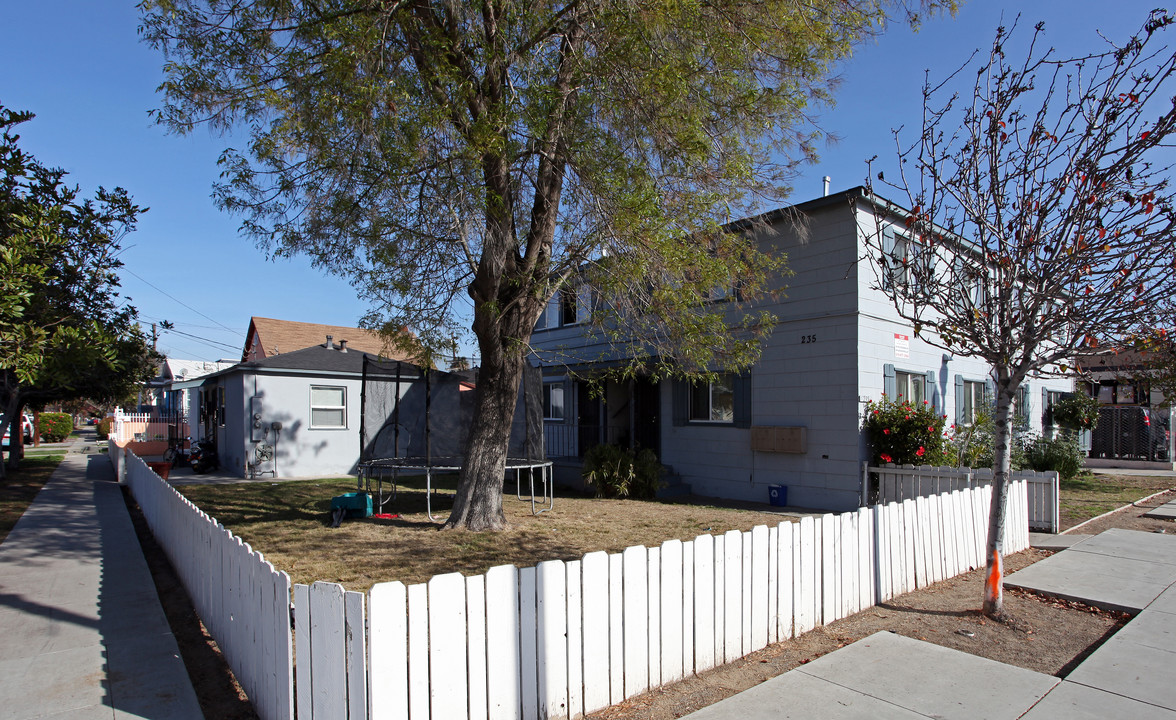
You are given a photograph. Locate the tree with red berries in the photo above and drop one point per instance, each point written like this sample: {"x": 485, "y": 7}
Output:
{"x": 1043, "y": 224}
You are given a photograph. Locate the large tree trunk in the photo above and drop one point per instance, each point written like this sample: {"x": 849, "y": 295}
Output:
{"x": 1001, "y": 468}
{"x": 12, "y": 424}
{"x": 502, "y": 341}
{"x": 478, "y": 504}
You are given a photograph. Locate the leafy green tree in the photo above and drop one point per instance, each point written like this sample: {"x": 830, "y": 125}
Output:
{"x": 1042, "y": 223}
{"x": 444, "y": 153}
{"x": 1155, "y": 349}
{"x": 64, "y": 331}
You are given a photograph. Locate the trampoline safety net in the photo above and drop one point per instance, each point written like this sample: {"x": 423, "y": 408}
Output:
{"x": 407, "y": 413}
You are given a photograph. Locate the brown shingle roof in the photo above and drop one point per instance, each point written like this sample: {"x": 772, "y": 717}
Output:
{"x": 282, "y": 336}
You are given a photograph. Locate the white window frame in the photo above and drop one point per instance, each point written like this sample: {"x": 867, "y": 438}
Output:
{"x": 343, "y": 407}
{"x": 907, "y": 260}
{"x": 713, "y": 412}
{"x": 904, "y": 381}
{"x": 578, "y": 299}
{"x": 549, "y": 391}
{"x": 968, "y": 412}
{"x": 1051, "y": 397}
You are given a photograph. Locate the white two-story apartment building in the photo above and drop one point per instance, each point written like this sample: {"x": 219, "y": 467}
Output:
{"x": 795, "y": 418}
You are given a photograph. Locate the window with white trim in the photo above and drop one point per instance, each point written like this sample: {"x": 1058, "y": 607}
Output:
{"x": 713, "y": 402}
{"x": 328, "y": 407}
{"x": 906, "y": 262}
{"x": 973, "y": 401}
{"x": 910, "y": 386}
{"x": 575, "y": 305}
{"x": 553, "y": 401}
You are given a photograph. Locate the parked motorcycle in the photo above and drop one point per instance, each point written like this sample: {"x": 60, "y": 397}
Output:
{"x": 203, "y": 457}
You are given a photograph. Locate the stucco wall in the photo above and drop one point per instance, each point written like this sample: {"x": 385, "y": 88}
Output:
{"x": 302, "y": 451}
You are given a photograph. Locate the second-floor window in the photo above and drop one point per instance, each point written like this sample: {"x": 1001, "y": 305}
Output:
{"x": 906, "y": 264}
{"x": 568, "y": 308}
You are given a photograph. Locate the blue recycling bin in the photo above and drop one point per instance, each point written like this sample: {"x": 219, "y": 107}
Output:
{"x": 778, "y": 495}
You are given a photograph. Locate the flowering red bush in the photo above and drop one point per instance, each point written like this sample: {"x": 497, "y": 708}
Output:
{"x": 903, "y": 433}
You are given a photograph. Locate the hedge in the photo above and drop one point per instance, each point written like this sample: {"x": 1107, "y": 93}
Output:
{"x": 55, "y": 427}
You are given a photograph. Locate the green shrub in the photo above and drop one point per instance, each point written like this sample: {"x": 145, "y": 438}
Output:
{"x": 905, "y": 434}
{"x": 102, "y": 429}
{"x": 618, "y": 472}
{"x": 972, "y": 445}
{"x": 1075, "y": 411}
{"x": 55, "y": 427}
{"x": 1061, "y": 454}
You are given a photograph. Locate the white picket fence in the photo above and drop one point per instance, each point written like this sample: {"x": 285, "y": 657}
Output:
{"x": 900, "y": 482}
{"x": 563, "y": 638}
{"x": 567, "y": 638}
{"x": 242, "y": 600}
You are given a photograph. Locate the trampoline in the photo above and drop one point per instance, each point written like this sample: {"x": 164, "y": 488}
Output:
{"x": 415, "y": 421}
{"x": 383, "y": 471}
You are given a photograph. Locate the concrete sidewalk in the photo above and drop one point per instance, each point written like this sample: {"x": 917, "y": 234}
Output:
{"x": 83, "y": 633}
{"x": 891, "y": 676}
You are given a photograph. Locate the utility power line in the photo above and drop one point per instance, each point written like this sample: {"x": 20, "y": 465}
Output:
{"x": 177, "y": 299}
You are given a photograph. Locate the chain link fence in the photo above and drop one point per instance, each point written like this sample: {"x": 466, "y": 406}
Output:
{"x": 1132, "y": 432}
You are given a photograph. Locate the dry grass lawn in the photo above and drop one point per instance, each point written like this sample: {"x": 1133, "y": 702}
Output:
{"x": 1090, "y": 495}
{"x": 289, "y": 523}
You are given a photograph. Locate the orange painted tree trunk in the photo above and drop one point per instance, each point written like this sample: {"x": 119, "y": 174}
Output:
{"x": 1001, "y": 469}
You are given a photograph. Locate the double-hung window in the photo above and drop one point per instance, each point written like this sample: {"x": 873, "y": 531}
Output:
{"x": 973, "y": 399}
{"x": 910, "y": 386}
{"x": 328, "y": 407}
{"x": 553, "y": 401}
{"x": 575, "y": 305}
{"x": 1051, "y": 398}
{"x": 906, "y": 263}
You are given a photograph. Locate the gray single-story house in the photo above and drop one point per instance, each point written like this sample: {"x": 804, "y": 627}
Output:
{"x": 303, "y": 410}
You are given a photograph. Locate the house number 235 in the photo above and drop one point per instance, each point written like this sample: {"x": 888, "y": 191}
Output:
{"x": 806, "y": 339}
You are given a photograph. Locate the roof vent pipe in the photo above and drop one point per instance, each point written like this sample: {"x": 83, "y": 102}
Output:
{"x": 330, "y": 342}
{"x": 342, "y": 346}
{"x": 827, "y": 179}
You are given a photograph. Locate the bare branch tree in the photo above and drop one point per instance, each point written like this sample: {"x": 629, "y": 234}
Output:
{"x": 1041, "y": 222}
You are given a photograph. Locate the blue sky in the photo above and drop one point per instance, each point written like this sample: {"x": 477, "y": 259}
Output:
{"x": 79, "y": 65}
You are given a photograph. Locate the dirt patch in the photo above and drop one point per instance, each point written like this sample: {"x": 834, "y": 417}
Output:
{"x": 1046, "y": 635}
{"x": 216, "y": 688}
{"x": 289, "y": 522}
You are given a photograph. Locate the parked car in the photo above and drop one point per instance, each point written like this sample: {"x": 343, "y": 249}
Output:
{"x": 26, "y": 430}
